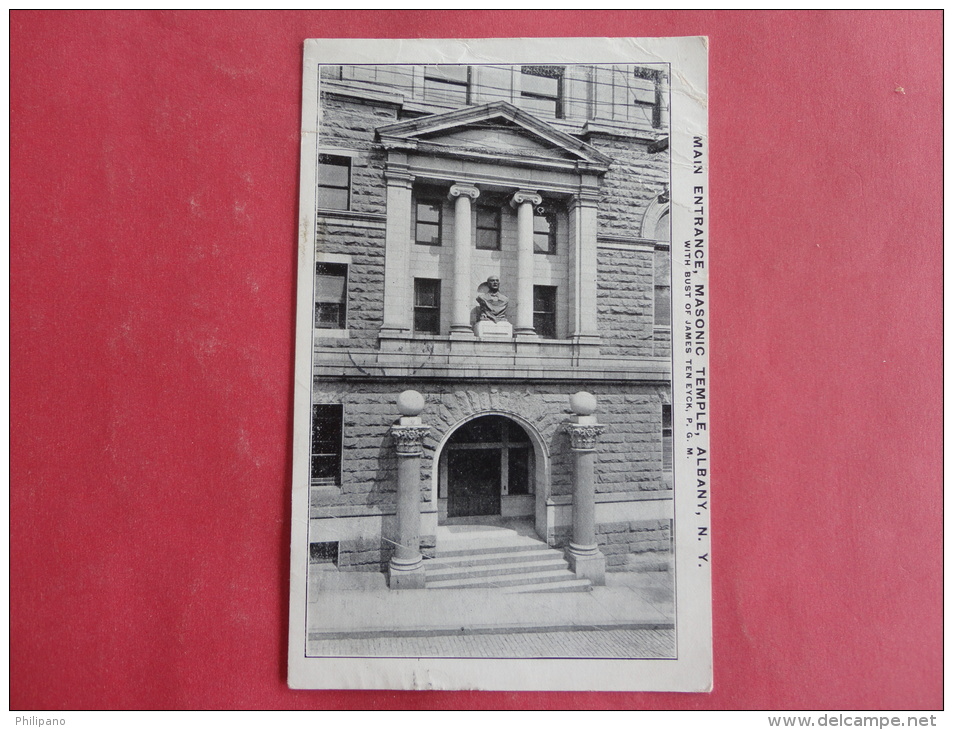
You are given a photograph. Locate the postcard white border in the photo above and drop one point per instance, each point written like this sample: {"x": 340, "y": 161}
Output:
{"x": 692, "y": 670}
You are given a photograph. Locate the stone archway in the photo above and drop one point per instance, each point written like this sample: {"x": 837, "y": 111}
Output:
{"x": 494, "y": 464}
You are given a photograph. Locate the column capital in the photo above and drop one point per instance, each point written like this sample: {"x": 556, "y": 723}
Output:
{"x": 398, "y": 178}
{"x": 583, "y": 436}
{"x": 587, "y": 198}
{"x": 525, "y": 196}
{"x": 409, "y": 439}
{"x": 470, "y": 191}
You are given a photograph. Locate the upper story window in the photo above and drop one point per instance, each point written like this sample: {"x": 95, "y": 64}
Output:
{"x": 541, "y": 90}
{"x": 330, "y": 296}
{"x": 544, "y": 311}
{"x": 326, "y": 432}
{"x": 646, "y": 89}
{"x": 666, "y": 438}
{"x": 427, "y": 306}
{"x": 488, "y": 226}
{"x": 334, "y": 182}
{"x": 427, "y": 228}
{"x": 663, "y": 289}
{"x": 544, "y": 229}
{"x": 447, "y": 84}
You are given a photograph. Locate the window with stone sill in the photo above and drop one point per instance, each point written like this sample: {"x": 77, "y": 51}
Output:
{"x": 544, "y": 311}
{"x": 427, "y": 306}
{"x": 488, "y": 227}
{"x": 330, "y": 296}
{"x": 327, "y": 430}
{"x": 667, "y": 442}
{"x": 428, "y": 221}
{"x": 334, "y": 182}
{"x": 647, "y": 98}
{"x": 663, "y": 290}
{"x": 541, "y": 90}
{"x": 544, "y": 229}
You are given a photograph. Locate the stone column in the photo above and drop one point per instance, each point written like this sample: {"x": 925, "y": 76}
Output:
{"x": 406, "y": 568}
{"x": 398, "y": 286}
{"x": 524, "y": 201}
{"x": 463, "y": 289}
{"x": 583, "y": 211}
{"x": 585, "y": 559}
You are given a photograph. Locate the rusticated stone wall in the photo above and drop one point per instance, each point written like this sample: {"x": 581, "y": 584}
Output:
{"x": 625, "y": 301}
{"x": 635, "y": 178}
{"x": 625, "y": 296}
{"x": 365, "y": 283}
{"x": 629, "y": 452}
{"x": 643, "y": 545}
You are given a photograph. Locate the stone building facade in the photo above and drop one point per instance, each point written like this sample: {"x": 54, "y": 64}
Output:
{"x": 431, "y": 180}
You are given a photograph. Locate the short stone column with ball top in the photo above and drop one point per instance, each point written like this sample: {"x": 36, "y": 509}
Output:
{"x": 406, "y": 568}
{"x": 585, "y": 559}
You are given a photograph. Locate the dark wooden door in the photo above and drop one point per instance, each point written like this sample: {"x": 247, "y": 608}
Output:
{"x": 473, "y": 487}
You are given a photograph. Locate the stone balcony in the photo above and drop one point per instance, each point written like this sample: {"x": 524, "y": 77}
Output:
{"x": 467, "y": 357}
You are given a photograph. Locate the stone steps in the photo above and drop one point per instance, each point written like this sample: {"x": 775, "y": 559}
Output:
{"x": 502, "y": 566}
{"x": 499, "y": 558}
{"x": 491, "y": 557}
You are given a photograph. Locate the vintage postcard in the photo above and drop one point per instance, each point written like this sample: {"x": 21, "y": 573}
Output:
{"x": 501, "y": 467}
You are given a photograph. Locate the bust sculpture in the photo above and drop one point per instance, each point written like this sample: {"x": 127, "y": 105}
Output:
{"x": 492, "y": 301}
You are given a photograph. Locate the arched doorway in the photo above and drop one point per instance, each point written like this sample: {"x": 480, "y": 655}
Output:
{"x": 488, "y": 469}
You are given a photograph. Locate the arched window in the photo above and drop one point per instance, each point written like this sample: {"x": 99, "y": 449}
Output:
{"x": 663, "y": 231}
{"x": 656, "y": 226}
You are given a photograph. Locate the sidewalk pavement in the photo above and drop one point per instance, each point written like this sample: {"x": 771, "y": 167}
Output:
{"x": 359, "y": 605}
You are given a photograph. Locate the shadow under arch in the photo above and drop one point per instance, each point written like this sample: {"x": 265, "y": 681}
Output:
{"x": 540, "y": 476}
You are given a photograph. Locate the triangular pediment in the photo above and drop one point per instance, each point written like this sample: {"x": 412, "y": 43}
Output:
{"x": 495, "y": 129}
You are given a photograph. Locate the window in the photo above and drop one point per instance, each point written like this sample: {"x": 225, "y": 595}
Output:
{"x": 427, "y": 306}
{"x": 334, "y": 182}
{"x": 541, "y": 90}
{"x": 647, "y": 96}
{"x": 326, "y": 432}
{"x": 447, "y": 84}
{"x": 488, "y": 228}
{"x": 666, "y": 438}
{"x": 662, "y": 230}
{"x": 544, "y": 230}
{"x": 324, "y": 553}
{"x": 544, "y": 311}
{"x": 427, "y": 229}
{"x": 663, "y": 290}
{"x": 330, "y": 296}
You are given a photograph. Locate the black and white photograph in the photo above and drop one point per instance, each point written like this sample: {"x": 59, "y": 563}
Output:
{"x": 500, "y": 432}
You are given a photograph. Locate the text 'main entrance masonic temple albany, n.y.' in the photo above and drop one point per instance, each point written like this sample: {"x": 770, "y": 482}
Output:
{"x": 501, "y": 445}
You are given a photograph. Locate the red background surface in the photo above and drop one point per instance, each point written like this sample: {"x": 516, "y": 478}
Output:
{"x": 154, "y": 176}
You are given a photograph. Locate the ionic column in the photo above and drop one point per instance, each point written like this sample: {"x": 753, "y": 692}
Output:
{"x": 463, "y": 289}
{"x": 406, "y": 568}
{"x": 524, "y": 201}
{"x": 585, "y": 559}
